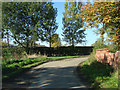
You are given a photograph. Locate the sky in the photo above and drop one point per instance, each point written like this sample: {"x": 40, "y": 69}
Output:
{"x": 91, "y": 37}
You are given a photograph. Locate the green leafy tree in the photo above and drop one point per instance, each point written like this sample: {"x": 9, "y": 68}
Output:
{"x": 49, "y": 24}
{"x": 26, "y": 21}
{"x": 72, "y": 23}
{"x": 55, "y": 41}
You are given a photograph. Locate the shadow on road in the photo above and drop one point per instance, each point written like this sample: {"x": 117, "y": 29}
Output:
{"x": 49, "y": 77}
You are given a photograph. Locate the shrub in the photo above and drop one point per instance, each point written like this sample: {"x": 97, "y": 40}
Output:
{"x": 99, "y": 45}
{"x": 113, "y": 48}
{"x": 6, "y": 53}
{"x": 13, "y": 53}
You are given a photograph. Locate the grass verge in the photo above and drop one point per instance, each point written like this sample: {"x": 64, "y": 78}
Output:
{"x": 99, "y": 75}
{"x": 14, "y": 67}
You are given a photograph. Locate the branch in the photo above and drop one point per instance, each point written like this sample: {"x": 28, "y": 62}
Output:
{"x": 18, "y": 41}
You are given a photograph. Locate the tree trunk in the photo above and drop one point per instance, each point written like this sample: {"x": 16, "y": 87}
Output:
{"x": 27, "y": 47}
{"x": 27, "y": 44}
{"x": 72, "y": 52}
{"x": 50, "y": 43}
{"x": 103, "y": 33}
{"x": 8, "y": 38}
{"x": 50, "y": 47}
{"x": 102, "y": 39}
{"x": 72, "y": 42}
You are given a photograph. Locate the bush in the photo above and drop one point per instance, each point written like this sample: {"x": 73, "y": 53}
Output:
{"x": 99, "y": 45}
{"x": 13, "y": 53}
{"x": 113, "y": 48}
{"x": 6, "y": 53}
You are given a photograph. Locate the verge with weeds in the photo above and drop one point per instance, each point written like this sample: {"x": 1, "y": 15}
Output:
{"x": 100, "y": 75}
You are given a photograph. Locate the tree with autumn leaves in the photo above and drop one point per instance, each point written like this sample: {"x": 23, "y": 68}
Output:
{"x": 105, "y": 14}
{"x": 55, "y": 41}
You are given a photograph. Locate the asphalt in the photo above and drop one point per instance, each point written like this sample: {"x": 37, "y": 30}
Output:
{"x": 55, "y": 74}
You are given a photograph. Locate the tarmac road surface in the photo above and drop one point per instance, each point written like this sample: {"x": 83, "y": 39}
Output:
{"x": 55, "y": 74}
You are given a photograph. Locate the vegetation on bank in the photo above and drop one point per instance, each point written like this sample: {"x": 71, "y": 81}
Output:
{"x": 98, "y": 74}
{"x": 13, "y": 67}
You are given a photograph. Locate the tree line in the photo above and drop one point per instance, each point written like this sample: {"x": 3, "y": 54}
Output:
{"x": 28, "y": 22}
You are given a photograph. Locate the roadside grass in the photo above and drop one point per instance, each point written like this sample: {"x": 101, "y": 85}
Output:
{"x": 99, "y": 75}
{"x": 63, "y": 57}
{"x": 13, "y": 67}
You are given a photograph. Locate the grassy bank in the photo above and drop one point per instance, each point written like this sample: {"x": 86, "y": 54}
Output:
{"x": 99, "y": 75}
{"x": 14, "y": 67}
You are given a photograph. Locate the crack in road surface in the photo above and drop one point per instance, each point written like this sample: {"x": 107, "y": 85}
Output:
{"x": 55, "y": 74}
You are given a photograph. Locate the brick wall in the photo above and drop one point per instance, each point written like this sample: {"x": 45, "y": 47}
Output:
{"x": 104, "y": 56}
